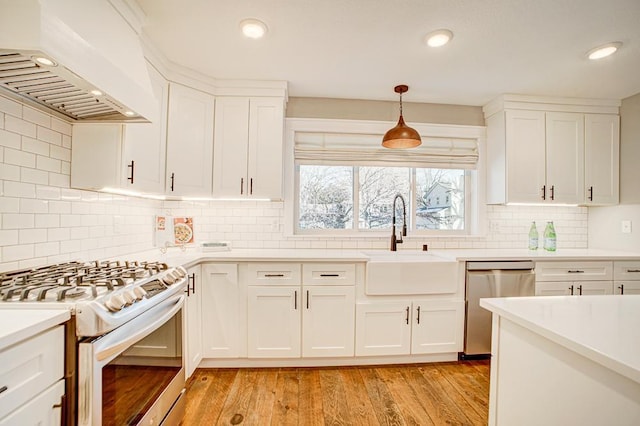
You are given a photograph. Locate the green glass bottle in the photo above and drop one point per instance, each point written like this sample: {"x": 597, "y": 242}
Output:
{"x": 550, "y": 237}
{"x": 533, "y": 237}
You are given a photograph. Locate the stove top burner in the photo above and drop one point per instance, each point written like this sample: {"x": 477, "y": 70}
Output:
{"x": 67, "y": 281}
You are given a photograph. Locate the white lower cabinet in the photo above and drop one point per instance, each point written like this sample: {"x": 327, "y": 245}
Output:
{"x": 221, "y": 311}
{"x": 328, "y": 321}
{"x": 273, "y": 321}
{"x": 43, "y": 410}
{"x": 409, "y": 327}
{"x": 627, "y": 277}
{"x": 626, "y": 287}
{"x": 573, "y": 288}
{"x": 192, "y": 320}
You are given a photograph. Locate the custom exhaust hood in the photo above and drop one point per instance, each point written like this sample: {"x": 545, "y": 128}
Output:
{"x": 78, "y": 58}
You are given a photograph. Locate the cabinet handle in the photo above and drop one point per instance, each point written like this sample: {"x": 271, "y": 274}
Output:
{"x": 241, "y": 186}
{"x": 295, "y": 299}
{"x": 273, "y": 275}
{"x": 329, "y": 275}
{"x": 571, "y": 290}
{"x": 4, "y": 388}
{"x": 553, "y": 190}
{"x": 621, "y": 287}
{"x": 307, "y": 299}
{"x": 251, "y": 186}
{"x": 590, "y": 197}
{"x": 633, "y": 271}
{"x": 544, "y": 192}
{"x": 418, "y": 314}
{"x": 580, "y": 290}
{"x": 407, "y": 320}
{"x": 173, "y": 176}
{"x": 63, "y": 409}
{"x": 131, "y": 166}
{"x": 191, "y": 279}
{"x": 575, "y": 271}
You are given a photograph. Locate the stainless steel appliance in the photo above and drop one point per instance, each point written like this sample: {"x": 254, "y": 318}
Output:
{"x": 491, "y": 279}
{"x": 124, "y": 346}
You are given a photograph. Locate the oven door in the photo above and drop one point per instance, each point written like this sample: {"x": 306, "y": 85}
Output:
{"x": 134, "y": 374}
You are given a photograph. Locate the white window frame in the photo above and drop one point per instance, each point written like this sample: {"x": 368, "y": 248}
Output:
{"x": 474, "y": 181}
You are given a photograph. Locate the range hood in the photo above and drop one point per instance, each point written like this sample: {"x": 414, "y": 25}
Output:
{"x": 78, "y": 58}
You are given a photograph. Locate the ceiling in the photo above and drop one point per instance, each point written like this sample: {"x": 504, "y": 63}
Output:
{"x": 361, "y": 49}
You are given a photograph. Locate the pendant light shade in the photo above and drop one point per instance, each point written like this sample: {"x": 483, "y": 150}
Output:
{"x": 401, "y": 136}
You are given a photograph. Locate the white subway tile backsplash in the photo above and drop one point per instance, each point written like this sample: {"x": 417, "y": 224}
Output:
{"x": 36, "y": 117}
{"x": 9, "y": 139}
{"x": 65, "y": 168}
{"x": 48, "y": 135}
{"x": 20, "y": 126}
{"x": 1, "y": 120}
{"x": 8, "y": 237}
{"x": 58, "y": 234}
{"x": 18, "y": 252}
{"x": 9, "y": 106}
{"x": 29, "y": 236}
{"x": 60, "y": 126}
{"x": 48, "y": 164}
{"x": 61, "y": 207}
{"x": 19, "y": 189}
{"x": 66, "y": 141}
{"x": 32, "y": 205}
{"x": 19, "y": 158}
{"x": 47, "y": 220}
{"x": 39, "y": 177}
{"x": 10, "y": 205}
{"x": 58, "y": 179}
{"x": 35, "y": 146}
{"x": 10, "y": 172}
{"x": 47, "y": 192}
{"x": 60, "y": 153}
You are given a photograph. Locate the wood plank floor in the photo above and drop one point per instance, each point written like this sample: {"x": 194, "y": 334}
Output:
{"x": 451, "y": 393}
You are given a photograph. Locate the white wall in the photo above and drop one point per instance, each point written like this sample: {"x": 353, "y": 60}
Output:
{"x": 43, "y": 221}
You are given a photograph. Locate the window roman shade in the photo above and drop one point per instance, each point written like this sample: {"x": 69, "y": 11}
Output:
{"x": 365, "y": 149}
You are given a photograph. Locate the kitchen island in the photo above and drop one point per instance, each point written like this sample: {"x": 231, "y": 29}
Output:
{"x": 565, "y": 360}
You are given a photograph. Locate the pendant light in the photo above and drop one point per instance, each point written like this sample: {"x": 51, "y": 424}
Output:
{"x": 401, "y": 136}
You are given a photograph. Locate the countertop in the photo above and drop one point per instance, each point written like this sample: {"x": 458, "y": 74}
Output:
{"x": 192, "y": 255}
{"x": 604, "y": 329}
{"x": 21, "y": 324}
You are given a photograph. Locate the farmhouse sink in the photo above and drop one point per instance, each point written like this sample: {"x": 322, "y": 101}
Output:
{"x": 409, "y": 272}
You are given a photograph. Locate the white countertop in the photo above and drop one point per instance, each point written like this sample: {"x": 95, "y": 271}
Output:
{"x": 21, "y": 324}
{"x": 605, "y": 329}
{"x": 192, "y": 255}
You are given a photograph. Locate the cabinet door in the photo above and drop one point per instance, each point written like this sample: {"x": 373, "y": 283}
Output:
{"x": 602, "y": 158}
{"x": 145, "y": 144}
{"x": 221, "y": 311}
{"x": 525, "y": 138}
{"x": 43, "y": 409}
{"x": 564, "y": 157}
{"x": 437, "y": 326}
{"x": 230, "y": 147}
{"x": 554, "y": 288}
{"x": 328, "y": 323}
{"x": 193, "y": 320}
{"x": 264, "y": 161}
{"x": 189, "y": 142}
{"x": 273, "y": 322}
{"x": 627, "y": 287}
{"x": 95, "y": 155}
{"x": 585, "y": 288}
{"x": 383, "y": 328}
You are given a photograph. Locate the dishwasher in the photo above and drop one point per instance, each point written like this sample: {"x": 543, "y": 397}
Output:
{"x": 491, "y": 279}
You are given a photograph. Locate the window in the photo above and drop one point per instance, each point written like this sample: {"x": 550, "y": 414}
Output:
{"x": 340, "y": 181}
{"x": 328, "y": 196}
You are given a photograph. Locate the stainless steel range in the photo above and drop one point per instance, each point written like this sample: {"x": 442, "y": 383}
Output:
{"x": 124, "y": 357}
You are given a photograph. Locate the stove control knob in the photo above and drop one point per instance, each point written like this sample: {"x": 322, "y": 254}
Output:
{"x": 114, "y": 303}
{"x": 139, "y": 292}
{"x": 169, "y": 279}
{"x": 129, "y": 297}
{"x": 181, "y": 272}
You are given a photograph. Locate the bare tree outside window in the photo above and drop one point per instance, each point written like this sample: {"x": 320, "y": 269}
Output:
{"x": 326, "y": 197}
{"x": 378, "y": 186}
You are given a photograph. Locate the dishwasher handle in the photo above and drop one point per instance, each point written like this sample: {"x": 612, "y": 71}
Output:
{"x": 519, "y": 265}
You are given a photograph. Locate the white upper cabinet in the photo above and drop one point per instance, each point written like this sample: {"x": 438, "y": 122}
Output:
{"x": 248, "y": 147}
{"x": 126, "y": 156}
{"x": 189, "y": 142}
{"x": 541, "y": 150}
{"x": 144, "y": 150}
{"x": 602, "y": 158}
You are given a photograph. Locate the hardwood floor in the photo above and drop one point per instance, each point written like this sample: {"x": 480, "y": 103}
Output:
{"x": 452, "y": 393}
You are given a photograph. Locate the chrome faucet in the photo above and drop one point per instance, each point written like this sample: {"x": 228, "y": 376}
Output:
{"x": 395, "y": 241}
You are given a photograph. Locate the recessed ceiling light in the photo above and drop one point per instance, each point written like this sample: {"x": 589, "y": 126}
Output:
{"x": 129, "y": 113}
{"x": 253, "y": 28}
{"x": 42, "y": 60}
{"x": 604, "y": 51}
{"x": 96, "y": 92}
{"x": 438, "y": 38}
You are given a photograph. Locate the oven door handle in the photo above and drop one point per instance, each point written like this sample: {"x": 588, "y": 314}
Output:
{"x": 113, "y": 344}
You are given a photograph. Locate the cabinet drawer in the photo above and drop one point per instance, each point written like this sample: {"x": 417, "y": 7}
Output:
{"x": 626, "y": 270}
{"x": 574, "y": 271}
{"x": 329, "y": 273}
{"x": 273, "y": 273}
{"x": 30, "y": 367}
{"x": 43, "y": 409}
